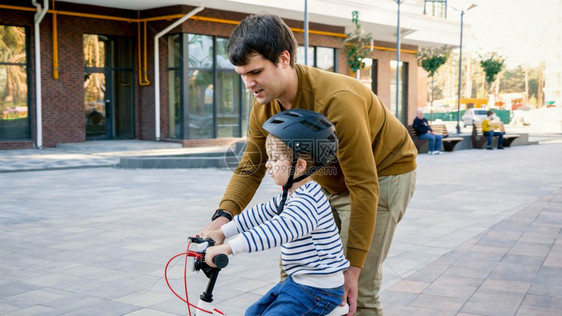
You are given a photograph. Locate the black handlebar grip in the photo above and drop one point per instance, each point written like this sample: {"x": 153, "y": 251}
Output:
{"x": 220, "y": 260}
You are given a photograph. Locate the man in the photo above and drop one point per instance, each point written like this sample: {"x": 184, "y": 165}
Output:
{"x": 424, "y": 131}
{"x": 374, "y": 178}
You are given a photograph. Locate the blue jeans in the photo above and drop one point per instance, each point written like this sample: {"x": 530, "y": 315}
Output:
{"x": 491, "y": 136}
{"x": 434, "y": 141}
{"x": 290, "y": 298}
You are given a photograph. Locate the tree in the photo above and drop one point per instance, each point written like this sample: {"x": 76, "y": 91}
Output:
{"x": 512, "y": 80}
{"x": 356, "y": 45}
{"x": 492, "y": 66}
{"x": 430, "y": 59}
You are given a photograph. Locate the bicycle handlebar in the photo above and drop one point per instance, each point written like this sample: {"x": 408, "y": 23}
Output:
{"x": 220, "y": 260}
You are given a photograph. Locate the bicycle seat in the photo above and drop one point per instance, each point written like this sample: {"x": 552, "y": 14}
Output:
{"x": 340, "y": 311}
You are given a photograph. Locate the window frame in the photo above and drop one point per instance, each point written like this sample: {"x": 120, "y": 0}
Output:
{"x": 437, "y": 8}
{"x": 28, "y": 82}
{"x": 185, "y": 69}
{"x": 315, "y": 57}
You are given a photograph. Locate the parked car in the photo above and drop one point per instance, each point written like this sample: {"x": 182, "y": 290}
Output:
{"x": 473, "y": 115}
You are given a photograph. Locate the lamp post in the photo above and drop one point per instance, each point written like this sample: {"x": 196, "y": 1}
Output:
{"x": 472, "y": 6}
{"x": 398, "y": 2}
{"x": 306, "y": 32}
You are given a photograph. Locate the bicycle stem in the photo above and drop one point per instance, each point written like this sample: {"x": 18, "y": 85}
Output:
{"x": 207, "y": 296}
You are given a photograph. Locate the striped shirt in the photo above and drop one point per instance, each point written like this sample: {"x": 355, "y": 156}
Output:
{"x": 305, "y": 230}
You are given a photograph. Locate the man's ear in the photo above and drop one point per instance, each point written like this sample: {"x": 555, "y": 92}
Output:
{"x": 285, "y": 59}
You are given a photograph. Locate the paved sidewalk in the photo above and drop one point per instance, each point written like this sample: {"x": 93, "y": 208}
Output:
{"x": 92, "y": 154}
{"x": 482, "y": 236}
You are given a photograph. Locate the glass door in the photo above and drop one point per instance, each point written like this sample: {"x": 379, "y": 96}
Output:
{"x": 96, "y": 102}
{"x": 108, "y": 87}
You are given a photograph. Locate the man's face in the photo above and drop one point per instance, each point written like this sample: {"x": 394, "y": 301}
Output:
{"x": 263, "y": 78}
{"x": 420, "y": 115}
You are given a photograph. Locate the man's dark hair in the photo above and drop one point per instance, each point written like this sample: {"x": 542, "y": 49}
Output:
{"x": 264, "y": 34}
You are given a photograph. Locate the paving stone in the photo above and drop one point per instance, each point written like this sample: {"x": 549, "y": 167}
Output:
{"x": 450, "y": 286}
{"x": 505, "y": 286}
{"x": 442, "y": 303}
{"x": 493, "y": 302}
{"x": 547, "y": 303}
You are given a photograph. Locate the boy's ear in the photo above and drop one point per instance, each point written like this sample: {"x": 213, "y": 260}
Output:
{"x": 301, "y": 163}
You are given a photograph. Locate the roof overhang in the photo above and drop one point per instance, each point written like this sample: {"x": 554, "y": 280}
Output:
{"x": 376, "y": 17}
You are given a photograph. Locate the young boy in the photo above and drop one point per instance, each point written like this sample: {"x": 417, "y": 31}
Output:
{"x": 299, "y": 220}
{"x": 488, "y": 126}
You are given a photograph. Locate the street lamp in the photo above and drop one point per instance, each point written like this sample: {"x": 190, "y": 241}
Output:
{"x": 472, "y": 6}
{"x": 398, "y": 2}
{"x": 306, "y": 32}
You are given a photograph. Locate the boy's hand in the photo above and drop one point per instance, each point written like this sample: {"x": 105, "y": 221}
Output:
{"x": 216, "y": 235}
{"x": 211, "y": 252}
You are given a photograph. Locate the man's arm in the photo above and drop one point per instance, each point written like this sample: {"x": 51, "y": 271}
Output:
{"x": 247, "y": 176}
{"x": 355, "y": 155}
{"x": 429, "y": 129}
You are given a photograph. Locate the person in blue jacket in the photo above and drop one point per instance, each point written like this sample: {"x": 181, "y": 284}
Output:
{"x": 424, "y": 131}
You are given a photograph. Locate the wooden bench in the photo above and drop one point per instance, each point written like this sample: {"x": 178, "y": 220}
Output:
{"x": 480, "y": 141}
{"x": 440, "y": 129}
{"x": 421, "y": 144}
{"x": 448, "y": 142}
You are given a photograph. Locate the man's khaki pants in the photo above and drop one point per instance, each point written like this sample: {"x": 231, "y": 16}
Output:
{"x": 394, "y": 196}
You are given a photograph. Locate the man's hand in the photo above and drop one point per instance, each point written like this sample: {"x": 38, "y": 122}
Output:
{"x": 214, "y": 225}
{"x": 351, "y": 290}
{"x": 217, "y": 235}
{"x": 211, "y": 252}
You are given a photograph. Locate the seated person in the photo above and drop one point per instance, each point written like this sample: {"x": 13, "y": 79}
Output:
{"x": 489, "y": 125}
{"x": 424, "y": 131}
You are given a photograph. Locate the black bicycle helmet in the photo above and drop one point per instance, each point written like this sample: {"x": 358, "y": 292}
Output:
{"x": 305, "y": 132}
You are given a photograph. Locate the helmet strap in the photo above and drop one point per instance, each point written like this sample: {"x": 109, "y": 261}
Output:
{"x": 289, "y": 184}
{"x": 292, "y": 181}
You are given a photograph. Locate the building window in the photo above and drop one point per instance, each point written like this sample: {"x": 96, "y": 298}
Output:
{"x": 319, "y": 57}
{"x": 436, "y": 8}
{"x": 368, "y": 75}
{"x": 14, "y": 82}
{"x": 403, "y": 92}
{"x": 174, "y": 87}
{"x": 206, "y": 96}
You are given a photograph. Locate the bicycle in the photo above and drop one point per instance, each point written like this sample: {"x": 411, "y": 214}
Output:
{"x": 196, "y": 248}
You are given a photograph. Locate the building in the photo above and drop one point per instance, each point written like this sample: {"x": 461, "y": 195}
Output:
{"x": 553, "y": 67}
{"x": 79, "y": 70}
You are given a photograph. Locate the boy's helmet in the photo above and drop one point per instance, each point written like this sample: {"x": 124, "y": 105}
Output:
{"x": 305, "y": 132}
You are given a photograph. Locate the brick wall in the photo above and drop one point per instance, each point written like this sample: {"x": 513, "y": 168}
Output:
{"x": 385, "y": 75}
